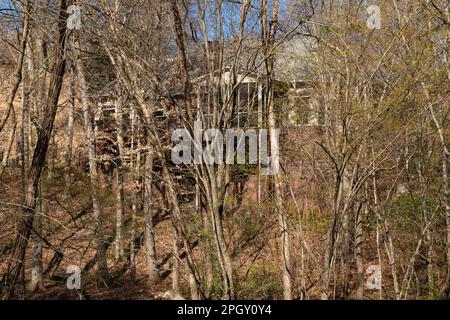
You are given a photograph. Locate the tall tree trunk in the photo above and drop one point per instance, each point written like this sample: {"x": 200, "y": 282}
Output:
{"x": 150, "y": 248}
{"x": 175, "y": 264}
{"x": 446, "y": 206}
{"x": 388, "y": 241}
{"x": 26, "y": 220}
{"x": 380, "y": 260}
{"x": 358, "y": 251}
{"x": 135, "y": 146}
{"x": 207, "y": 247}
{"x": 221, "y": 245}
{"x": 133, "y": 232}
{"x": 37, "y": 277}
{"x": 268, "y": 35}
{"x": 445, "y": 188}
{"x": 9, "y": 145}
{"x": 118, "y": 253}
{"x": 102, "y": 266}
{"x": 70, "y": 130}
{"x": 426, "y": 219}
{"x": 24, "y": 147}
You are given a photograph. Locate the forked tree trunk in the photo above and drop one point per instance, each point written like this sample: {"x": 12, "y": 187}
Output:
{"x": 223, "y": 253}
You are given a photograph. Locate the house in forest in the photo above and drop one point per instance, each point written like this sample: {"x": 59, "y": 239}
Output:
{"x": 116, "y": 117}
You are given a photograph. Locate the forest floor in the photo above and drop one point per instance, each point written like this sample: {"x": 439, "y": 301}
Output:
{"x": 121, "y": 289}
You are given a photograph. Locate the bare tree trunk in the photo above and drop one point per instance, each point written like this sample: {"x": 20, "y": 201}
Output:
{"x": 102, "y": 266}
{"x": 177, "y": 219}
{"x": 5, "y": 159}
{"x": 26, "y": 220}
{"x": 207, "y": 248}
{"x": 426, "y": 219}
{"x": 135, "y": 146}
{"x": 70, "y": 130}
{"x": 285, "y": 246}
{"x": 179, "y": 33}
{"x": 152, "y": 262}
{"x": 224, "y": 255}
{"x": 52, "y": 152}
{"x": 447, "y": 212}
{"x": 18, "y": 74}
{"x": 24, "y": 146}
{"x": 358, "y": 251}
{"x": 133, "y": 231}
{"x": 269, "y": 41}
{"x": 19, "y": 66}
{"x": 118, "y": 253}
{"x": 445, "y": 188}
{"x": 388, "y": 242}
{"x": 37, "y": 277}
{"x": 175, "y": 265}
{"x": 379, "y": 255}
{"x": 193, "y": 287}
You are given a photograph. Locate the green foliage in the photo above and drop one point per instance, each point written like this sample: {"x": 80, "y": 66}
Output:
{"x": 242, "y": 171}
{"x": 407, "y": 212}
{"x": 403, "y": 210}
{"x": 328, "y": 29}
{"x": 316, "y": 222}
{"x": 261, "y": 282}
{"x": 280, "y": 94}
